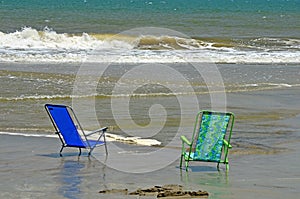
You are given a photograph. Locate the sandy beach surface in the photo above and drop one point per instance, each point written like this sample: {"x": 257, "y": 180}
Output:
{"x": 32, "y": 168}
{"x": 144, "y": 69}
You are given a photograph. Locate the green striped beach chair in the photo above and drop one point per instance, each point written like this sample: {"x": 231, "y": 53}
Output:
{"x": 210, "y": 141}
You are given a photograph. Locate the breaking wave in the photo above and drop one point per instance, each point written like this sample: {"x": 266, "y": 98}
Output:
{"x": 31, "y": 45}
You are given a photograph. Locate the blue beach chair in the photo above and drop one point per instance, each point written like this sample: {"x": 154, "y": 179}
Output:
{"x": 209, "y": 142}
{"x": 71, "y": 134}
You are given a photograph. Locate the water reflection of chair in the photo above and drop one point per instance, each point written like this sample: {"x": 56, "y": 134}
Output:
{"x": 71, "y": 179}
{"x": 76, "y": 175}
{"x": 207, "y": 177}
{"x": 209, "y": 142}
{"x": 66, "y": 123}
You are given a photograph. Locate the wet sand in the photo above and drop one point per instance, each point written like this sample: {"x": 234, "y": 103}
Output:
{"x": 264, "y": 161}
{"x": 32, "y": 168}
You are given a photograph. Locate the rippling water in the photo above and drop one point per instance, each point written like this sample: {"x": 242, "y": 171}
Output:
{"x": 263, "y": 97}
{"x": 145, "y": 68}
{"x": 238, "y": 31}
{"x": 246, "y": 52}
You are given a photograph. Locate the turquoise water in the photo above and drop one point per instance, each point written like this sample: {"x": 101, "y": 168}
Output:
{"x": 222, "y": 18}
{"x": 237, "y": 31}
{"x": 253, "y": 44}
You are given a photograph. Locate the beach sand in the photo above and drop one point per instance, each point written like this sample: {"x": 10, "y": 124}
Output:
{"x": 47, "y": 55}
{"x": 264, "y": 161}
{"x": 32, "y": 168}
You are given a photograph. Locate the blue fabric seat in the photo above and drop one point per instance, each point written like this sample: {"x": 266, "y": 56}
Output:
{"x": 70, "y": 131}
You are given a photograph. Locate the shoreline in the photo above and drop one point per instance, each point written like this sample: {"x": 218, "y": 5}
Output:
{"x": 32, "y": 167}
{"x": 268, "y": 120}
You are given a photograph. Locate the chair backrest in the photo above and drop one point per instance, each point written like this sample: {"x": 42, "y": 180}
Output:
{"x": 64, "y": 124}
{"x": 209, "y": 136}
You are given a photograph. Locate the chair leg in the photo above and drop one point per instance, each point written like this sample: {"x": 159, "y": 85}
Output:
{"x": 90, "y": 151}
{"x": 95, "y": 147}
{"x": 180, "y": 166}
{"x": 62, "y": 147}
{"x": 227, "y": 163}
{"x": 187, "y": 165}
{"x": 79, "y": 151}
{"x": 105, "y": 148}
{"x": 227, "y": 166}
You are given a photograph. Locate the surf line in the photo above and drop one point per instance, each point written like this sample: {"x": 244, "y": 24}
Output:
{"x": 109, "y": 137}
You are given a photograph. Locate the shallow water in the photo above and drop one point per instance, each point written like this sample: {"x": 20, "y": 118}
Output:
{"x": 32, "y": 168}
{"x": 239, "y": 56}
{"x": 264, "y": 99}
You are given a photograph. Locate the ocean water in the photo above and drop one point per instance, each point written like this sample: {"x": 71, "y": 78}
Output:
{"x": 230, "y": 31}
{"x": 144, "y": 68}
{"x": 247, "y": 50}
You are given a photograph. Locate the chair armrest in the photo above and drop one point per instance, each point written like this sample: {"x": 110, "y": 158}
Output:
{"x": 227, "y": 144}
{"x": 98, "y": 130}
{"x": 185, "y": 140}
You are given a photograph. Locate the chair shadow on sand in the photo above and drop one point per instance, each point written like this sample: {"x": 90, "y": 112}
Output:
{"x": 202, "y": 169}
{"x": 67, "y": 154}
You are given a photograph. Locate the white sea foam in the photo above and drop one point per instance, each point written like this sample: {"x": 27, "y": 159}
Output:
{"x": 28, "y": 134}
{"x": 31, "y": 45}
{"x": 109, "y": 137}
{"x": 133, "y": 140}
{"x": 31, "y": 39}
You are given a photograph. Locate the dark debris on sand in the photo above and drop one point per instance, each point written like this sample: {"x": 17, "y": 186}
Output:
{"x": 165, "y": 191}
